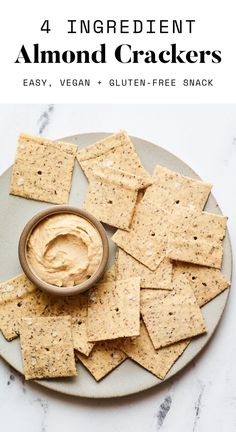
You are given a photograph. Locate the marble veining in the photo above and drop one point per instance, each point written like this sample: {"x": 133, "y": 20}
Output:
{"x": 45, "y": 118}
{"x": 163, "y": 411}
{"x": 200, "y": 398}
{"x": 198, "y": 406}
{"x": 44, "y": 408}
{"x": 11, "y": 379}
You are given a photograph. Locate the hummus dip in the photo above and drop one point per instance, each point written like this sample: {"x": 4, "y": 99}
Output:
{"x": 64, "y": 250}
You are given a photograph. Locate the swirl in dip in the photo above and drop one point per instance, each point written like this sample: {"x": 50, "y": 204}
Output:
{"x": 64, "y": 250}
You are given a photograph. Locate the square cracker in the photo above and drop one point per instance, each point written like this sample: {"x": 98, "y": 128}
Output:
{"x": 112, "y": 195}
{"x": 170, "y": 189}
{"x": 147, "y": 239}
{"x": 104, "y": 357}
{"x": 196, "y": 237}
{"x": 109, "y": 275}
{"x": 47, "y": 347}
{"x": 31, "y": 304}
{"x": 116, "y": 151}
{"x": 114, "y": 310}
{"x": 206, "y": 282}
{"x": 161, "y": 278}
{"x": 171, "y": 316}
{"x": 142, "y": 351}
{"x": 77, "y": 308}
{"x": 15, "y": 288}
{"x": 42, "y": 170}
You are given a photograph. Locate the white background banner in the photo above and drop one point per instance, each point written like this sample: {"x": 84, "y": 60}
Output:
{"x": 158, "y": 28}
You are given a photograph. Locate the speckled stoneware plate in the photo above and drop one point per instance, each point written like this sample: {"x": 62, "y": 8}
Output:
{"x": 128, "y": 378}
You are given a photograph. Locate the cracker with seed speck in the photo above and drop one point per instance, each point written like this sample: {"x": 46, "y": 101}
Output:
{"x": 114, "y": 310}
{"x": 15, "y": 288}
{"x": 170, "y": 189}
{"x": 47, "y": 347}
{"x": 171, "y": 316}
{"x": 147, "y": 239}
{"x": 112, "y": 195}
{"x": 31, "y": 304}
{"x": 77, "y": 308}
{"x": 104, "y": 358}
{"x": 196, "y": 237}
{"x": 161, "y": 278}
{"x": 142, "y": 351}
{"x": 206, "y": 282}
{"x": 114, "y": 151}
{"x": 109, "y": 275}
{"x": 43, "y": 169}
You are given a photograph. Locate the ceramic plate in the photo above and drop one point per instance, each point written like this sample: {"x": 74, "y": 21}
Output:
{"x": 128, "y": 378}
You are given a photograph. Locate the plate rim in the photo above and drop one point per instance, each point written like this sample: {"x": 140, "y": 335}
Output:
{"x": 49, "y": 384}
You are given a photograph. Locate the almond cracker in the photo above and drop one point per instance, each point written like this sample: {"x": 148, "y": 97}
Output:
{"x": 161, "y": 278}
{"x": 47, "y": 347}
{"x": 109, "y": 275}
{"x": 196, "y": 237}
{"x": 31, "y": 304}
{"x": 16, "y": 287}
{"x": 112, "y": 195}
{"x": 142, "y": 351}
{"x": 114, "y": 310}
{"x": 104, "y": 358}
{"x": 170, "y": 189}
{"x": 114, "y": 151}
{"x": 147, "y": 239}
{"x": 206, "y": 282}
{"x": 171, "y": 316}
{"x": 77, "y": 308}
{"x": 43, "y": 169}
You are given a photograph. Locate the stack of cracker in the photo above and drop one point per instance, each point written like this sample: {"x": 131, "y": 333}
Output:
{"x": 115, "y": 175}
{"x": 167, "y": 240}
{"x": 148, "y": 305}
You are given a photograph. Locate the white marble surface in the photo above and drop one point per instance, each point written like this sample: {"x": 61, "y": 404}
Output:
{"x": 203, "y": 396}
